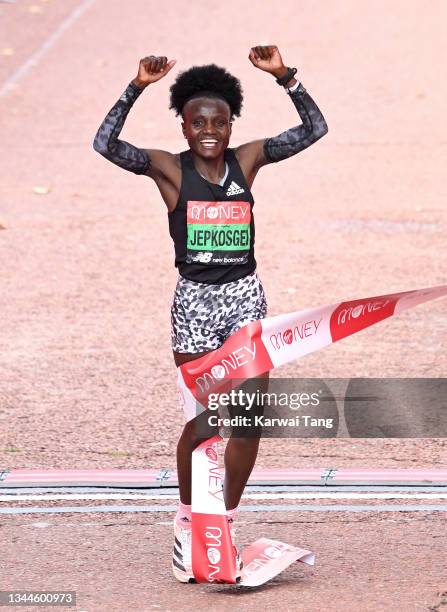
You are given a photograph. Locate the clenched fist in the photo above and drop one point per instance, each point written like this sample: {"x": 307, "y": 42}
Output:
{"x": 152, "y": 69}
{"x": 268, "y": 58}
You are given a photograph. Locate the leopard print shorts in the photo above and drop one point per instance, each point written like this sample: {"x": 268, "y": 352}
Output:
{"x": 203, "y": 316}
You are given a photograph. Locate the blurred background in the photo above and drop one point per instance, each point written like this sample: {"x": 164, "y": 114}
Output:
{"x": 87, "y": 271}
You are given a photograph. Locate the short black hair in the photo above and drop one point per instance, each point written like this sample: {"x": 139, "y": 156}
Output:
{"x": 211, "y": 81}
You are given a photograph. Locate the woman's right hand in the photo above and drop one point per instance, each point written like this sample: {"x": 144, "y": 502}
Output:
{"x": 152, "y": 69}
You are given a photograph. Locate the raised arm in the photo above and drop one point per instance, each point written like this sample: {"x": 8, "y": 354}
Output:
{"x": 295, "y": 139}
{"x": 300, "y": 137}
{"x": 122, "y": 153}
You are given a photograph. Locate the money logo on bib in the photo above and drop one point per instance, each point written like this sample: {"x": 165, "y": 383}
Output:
{"x": 218, "y": 233}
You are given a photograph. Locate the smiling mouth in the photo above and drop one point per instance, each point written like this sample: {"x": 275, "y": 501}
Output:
{"x": 209, "y": 143}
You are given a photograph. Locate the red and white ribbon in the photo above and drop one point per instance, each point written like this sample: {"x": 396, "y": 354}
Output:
{"x": 254, "y": 349}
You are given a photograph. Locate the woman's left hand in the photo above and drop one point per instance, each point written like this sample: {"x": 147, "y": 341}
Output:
{"x": 268, "y": 58}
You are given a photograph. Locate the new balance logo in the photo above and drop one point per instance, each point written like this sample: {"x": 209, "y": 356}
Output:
{"x": 234, "y": 189}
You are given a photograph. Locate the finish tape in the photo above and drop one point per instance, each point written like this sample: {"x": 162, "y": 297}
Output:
{"x": 253, "y": 350}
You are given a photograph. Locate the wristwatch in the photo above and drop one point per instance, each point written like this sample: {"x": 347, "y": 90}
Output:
{"x": 291, "y": 72}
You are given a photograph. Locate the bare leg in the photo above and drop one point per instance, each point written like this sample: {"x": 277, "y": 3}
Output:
{"x": 241, "y": 453}
{"x": 189, "y": 439}
{"x": 240, "y": 457}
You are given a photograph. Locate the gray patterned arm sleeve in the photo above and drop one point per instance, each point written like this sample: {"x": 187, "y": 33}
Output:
{"x": 106, "y": 141}
{"x": 296, "y": 139}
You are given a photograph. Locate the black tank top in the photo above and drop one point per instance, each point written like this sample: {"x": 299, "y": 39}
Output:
{"x": 212, "y": 226}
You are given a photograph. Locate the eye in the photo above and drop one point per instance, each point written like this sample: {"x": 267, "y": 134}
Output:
{"x": 197, "y": 122}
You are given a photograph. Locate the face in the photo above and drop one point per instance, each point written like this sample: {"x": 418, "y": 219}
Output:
{"x": 207, "y": 126}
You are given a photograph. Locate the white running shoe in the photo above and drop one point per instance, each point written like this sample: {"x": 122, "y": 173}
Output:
{"x": 181, "y": 555}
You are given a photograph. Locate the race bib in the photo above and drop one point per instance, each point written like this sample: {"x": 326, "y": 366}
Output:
{"x": 218, "y": 233}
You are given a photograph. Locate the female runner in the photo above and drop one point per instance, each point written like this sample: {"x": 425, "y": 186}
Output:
{"x": 207, "y": 191}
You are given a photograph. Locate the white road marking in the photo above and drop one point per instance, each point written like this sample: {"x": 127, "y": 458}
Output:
{"x": 254, "y": 508}
{"x": 13, "y": 497}
{"x": 46, "y": 46}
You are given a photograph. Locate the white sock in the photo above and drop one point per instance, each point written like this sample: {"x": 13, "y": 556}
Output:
{"x": 183, "y": 513}
{"x": 231, "y": 514}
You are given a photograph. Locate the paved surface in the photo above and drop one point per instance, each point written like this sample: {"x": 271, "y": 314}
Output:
{"x": 365, "y": 561}
{"x": 87, "y": 278}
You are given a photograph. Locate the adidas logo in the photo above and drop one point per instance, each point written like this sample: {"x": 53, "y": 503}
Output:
{"x": 234, "y": 189}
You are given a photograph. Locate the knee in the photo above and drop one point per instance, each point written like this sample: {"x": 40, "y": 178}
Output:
{"x": 195, "y": 433}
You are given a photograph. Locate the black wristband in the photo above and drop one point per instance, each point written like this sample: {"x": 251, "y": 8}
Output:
{"x": 286, "y": 78}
